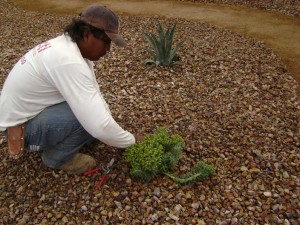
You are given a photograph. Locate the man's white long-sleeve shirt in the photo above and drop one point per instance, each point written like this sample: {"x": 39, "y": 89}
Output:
{"x": 51, "y": 73}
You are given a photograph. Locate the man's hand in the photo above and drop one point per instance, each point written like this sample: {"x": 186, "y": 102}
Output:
{"x": 138, "y": 137}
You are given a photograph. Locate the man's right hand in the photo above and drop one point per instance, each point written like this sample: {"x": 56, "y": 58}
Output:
{"x": 138, "y": 137}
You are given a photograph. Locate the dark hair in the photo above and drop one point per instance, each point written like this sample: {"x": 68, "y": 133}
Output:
{"x": 77, "y": 27}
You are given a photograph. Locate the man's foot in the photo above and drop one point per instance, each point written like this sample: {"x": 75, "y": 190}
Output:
{"x": 80, "y": 163}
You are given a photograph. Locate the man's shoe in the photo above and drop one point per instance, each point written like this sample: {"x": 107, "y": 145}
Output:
{"x": 80, "y": 163}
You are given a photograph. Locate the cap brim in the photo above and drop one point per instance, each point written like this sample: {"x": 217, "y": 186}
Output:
{"x": 117, "y": 39}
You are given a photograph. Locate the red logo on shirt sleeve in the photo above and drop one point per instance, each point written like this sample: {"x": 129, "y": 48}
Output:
{"x": 23, "y": 60}
{"x": 43, "y": 46}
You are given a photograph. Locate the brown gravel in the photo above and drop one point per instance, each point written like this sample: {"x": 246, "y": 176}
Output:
{"x": 231, "y": 99}
{"x": 287, "y": 7}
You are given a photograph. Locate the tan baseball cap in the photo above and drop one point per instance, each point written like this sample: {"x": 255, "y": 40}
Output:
{"x": 103, "y": 18}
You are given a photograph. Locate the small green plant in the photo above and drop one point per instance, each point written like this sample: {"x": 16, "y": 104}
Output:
{"x": 159, "y": 154}
{"x": 161, "y": 47}
{"x": 201, "y": 171}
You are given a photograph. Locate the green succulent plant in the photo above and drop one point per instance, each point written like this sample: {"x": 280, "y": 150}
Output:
{"x": 159, "y": 154}
{"x": 161, "y": 47}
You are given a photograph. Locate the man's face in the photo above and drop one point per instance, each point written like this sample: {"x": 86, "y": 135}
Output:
{"x": 96, "y": 47}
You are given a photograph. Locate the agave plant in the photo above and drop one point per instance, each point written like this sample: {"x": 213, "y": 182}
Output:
{"x": 161, "y": 47}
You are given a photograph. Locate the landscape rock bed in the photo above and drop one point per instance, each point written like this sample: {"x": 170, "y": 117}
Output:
{"x": 287, "y": 7}
{"x": 232, "y": 101}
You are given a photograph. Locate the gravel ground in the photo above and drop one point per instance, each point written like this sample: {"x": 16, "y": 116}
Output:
{"x": 288, "y": 7}
{"x": 231, "y": 99}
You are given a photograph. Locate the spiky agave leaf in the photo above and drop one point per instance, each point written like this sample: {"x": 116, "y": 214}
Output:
{"x": 174, "y": 51}
{"x": 169, "y": 43}
{"x": 151, "y": 62}
{"x": 153, "y": 44}
{"x": 151, "y": 52}
{"x": 161, "y": 44}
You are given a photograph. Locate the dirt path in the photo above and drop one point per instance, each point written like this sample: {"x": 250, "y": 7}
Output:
{"x": 281, "y": 33}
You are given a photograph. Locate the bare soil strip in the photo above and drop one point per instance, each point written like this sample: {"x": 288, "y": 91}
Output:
{"x": 279, "y": 32}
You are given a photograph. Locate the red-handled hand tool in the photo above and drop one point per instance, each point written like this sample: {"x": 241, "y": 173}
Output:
{"x": 106, "y": 170}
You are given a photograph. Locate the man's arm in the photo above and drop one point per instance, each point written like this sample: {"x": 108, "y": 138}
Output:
{"x": 78, "y": 87}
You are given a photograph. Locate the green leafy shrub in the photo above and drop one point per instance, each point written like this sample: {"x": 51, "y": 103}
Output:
{"x": 156, "y": 154}
{"x": 161, "y": 47}
{"x": 159, "y": 154}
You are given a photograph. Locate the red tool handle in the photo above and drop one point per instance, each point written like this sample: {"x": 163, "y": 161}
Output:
{"x": 102, "y": 180}
{"x": 90, "y": 172}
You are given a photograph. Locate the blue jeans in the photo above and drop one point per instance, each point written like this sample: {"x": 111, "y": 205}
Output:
{"x": 57, "y": 132}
